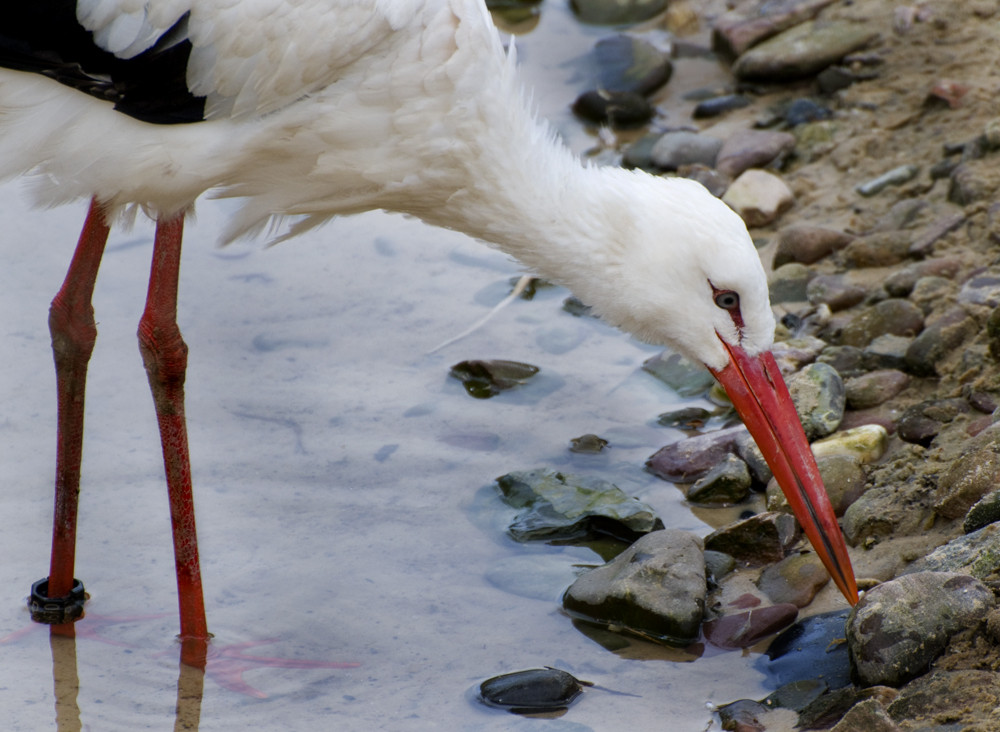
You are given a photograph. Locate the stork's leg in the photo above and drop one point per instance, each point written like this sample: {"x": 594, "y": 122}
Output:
{"x": 165, "y": 356}
{"x": 71, "y": 323}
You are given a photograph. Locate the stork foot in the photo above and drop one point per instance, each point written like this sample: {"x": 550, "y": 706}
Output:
{"x": 56, "y": 610}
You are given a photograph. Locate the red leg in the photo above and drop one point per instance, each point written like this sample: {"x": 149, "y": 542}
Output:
{"x": 71, "y": 323}
{"x": 165, "y": 356}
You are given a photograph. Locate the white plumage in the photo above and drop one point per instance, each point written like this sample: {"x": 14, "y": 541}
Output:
{"x": 314, "y": 109}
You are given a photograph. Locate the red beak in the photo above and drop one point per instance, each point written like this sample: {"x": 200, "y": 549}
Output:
{"x": 758, "y": 392}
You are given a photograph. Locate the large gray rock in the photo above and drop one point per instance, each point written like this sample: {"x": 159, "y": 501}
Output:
{"x": 803, "y": 50}
{"x": 899, "y": 627}
{"x": 656, "y": 587}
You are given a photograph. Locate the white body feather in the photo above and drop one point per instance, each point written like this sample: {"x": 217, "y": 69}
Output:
{"x": 322, "y": 108}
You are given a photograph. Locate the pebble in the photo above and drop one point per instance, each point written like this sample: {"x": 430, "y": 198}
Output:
{"x": 843, "y": 477}
{"x": 745, "y": 629}
{"x": 715, "y": 182}
{"x": 675, "y": 149}
{"x": 924, "y": 243}
{"x": 969, "y": 695}
{"x": 972, "y": 181}
{"x": 848, "y": 360}
{"x": 735, "y": 32}
{"x": 982, "y": 289}
{"x": 802, "y": 112}
{"x": 761, "y": 539}
{"x": 624, "y": 63}
{"x": 983, "y": 513}
{"x": 884, "y": 511}
{"x": 805, "y": 243}
{"x": 894, "y": 177}
{"x": 942, "y": 337}
{"x": 639, "y": 154}
{"x": 718, "y": 565}
{"x": 976, "y": 554}
{"x": 794, "y": 353}
{"x": 618, "y": 110}
{"x": 753, "y": 149}
{"x": 803, "y": 50}
{"x": 974, "y": 474}
{"x": 656, "y": 587}
{"x": 894, "y": 316}
{"x": 759, "y": 197}
{"x": 818, "y": 394}
{"x": 617, "y": 12}
{"x": 795, "y": 579}
{"x": 588, "y": 444}
{"x": 485, "y": 379}
{"x": 867, "y": 443}
{"x": 725, "y": 484}
{"x": 531, "y": 691}
{"x": 879, "y": 249}
{"x": 685, "y": 418}
{"x": 748, "y": 451}
{"x": 921, "y": 423}
{"x": 687, "y": 460}
{"x": 899, "y": 627}
{"x": 717, "y": 106}
{"x": 834, "y": 291}
{"x": 813, "y": 648}
{"x": 901, "y": 282}
{"x": 886, "y": 352}
{"x": 874, "y": 388}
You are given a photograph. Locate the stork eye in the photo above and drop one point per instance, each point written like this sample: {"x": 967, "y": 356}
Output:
{"x": 727, "y": 300}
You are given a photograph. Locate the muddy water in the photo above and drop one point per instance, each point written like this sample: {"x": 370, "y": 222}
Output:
{"x": 342, "y": 482}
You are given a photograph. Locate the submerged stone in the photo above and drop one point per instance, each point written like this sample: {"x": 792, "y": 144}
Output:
{"x": 533, "y": 690}
{"x": 681, "y": 374}
{"x": 742, "y": 630}
{"x": 563, "y": 506}
{"x": 655, "y": 588}
{"x": 485, "y": 379}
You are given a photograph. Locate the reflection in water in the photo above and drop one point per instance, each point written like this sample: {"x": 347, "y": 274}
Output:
{"x": 66, "y": 682}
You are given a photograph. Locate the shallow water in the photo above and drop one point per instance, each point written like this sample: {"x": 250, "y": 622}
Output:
{"x": 342, "y": 480}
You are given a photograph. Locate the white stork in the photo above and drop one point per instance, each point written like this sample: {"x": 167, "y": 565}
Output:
{"x": 319, "y": 108}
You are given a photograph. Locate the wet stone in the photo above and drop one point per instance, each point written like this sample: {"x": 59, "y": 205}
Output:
{"x": 655, "y": 588}
{"x": 718, "y": 565}
{"x": 562, "y": 506}
{"x": 759, "y": 197}
{"x": 623, "y": 63}
{"x": 790, "y": 283}
{"x": 899, "y": 627}
{"x": 742, "y": 630}
{"x": 867, "y": 716}
{"x": 760, "y": 539}
{"x": 798, "y": 694}
{"x": 750, "y": 454}
{"x": 534, "y": 690}
{"x": 687, "y": 460}
{"x": 726, "y": 483}
{"x": 803, "y": 50}
{"x": 983, "y": 513}
{"x": 813, "y": 648}
{"x": 588, "y": 444}
{"x": 921, "y": 422}
{"x": 874, "y": 388}
{"x": 681, "y": 374}
{"x": 808, "y": 244}
{"x": 618, "y": 110}
{"x": 941, "y": 338}
{"x": 675, "y": 149}
{"x": 818, "y": 394}
{"x": 743, "y": 715}
{"x": 686, "y": 418}
{"x": 753, "y": 149}
{"x": 717, "y": 106}
{"x": 894, "y": 316}
{"x": 485, "y": 379}
{"x": 795, "y": 579}
{"x": 969, "y": 478}
{"x": 617, "y": 12}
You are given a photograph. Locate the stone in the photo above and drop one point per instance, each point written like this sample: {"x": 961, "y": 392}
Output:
{"x": 687, "y": 460}
{"x": 805, "y": 243}
{"x": 760, "y": 539}
{"x": 976, "y": 554}
{"x": 742, "y": 630}
{"x": 813, "y": 648}
{"x": 753, "y": 149}
{"x": 867, "y": 443}
{"x": 624, "y": 63}
{"x": 795, "y": 579}
{"x": 921, "y": 423}
{"x": 818, "y": 394}
{"x": 618, "y": 110}
{"x": 681, "y": 374}
{"x": 717, "y": 106}
{"x": 843, "y": 477}
{"x": 899, "y": 627}
{"x": 484, "y": 379}
{"x": 617, "y": 12}
{"x": 886, "y": 352}
{"x": 875, "y": 387}
{"x": 725, "y": 484}
{"x": 880, "y": 249}
{"x": 834, "y": 291}
{"x": 893, "y": 316}
{"x": 896, "y": 176}
{"x": 985, "y": 511}
{"x": 885, "y": 511}
{"x": 941, "y": 338}
{"x": 675, "y": 149}
{"x": 655, "y": 588}
{"x": 735, "y": 32}
{"x": 901, "y": 282}
{"x": 759, "y": 197}
{"x": 803, "y": 50}
{"x": 974, "y": 474}
{"x": 790, "y": 283}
